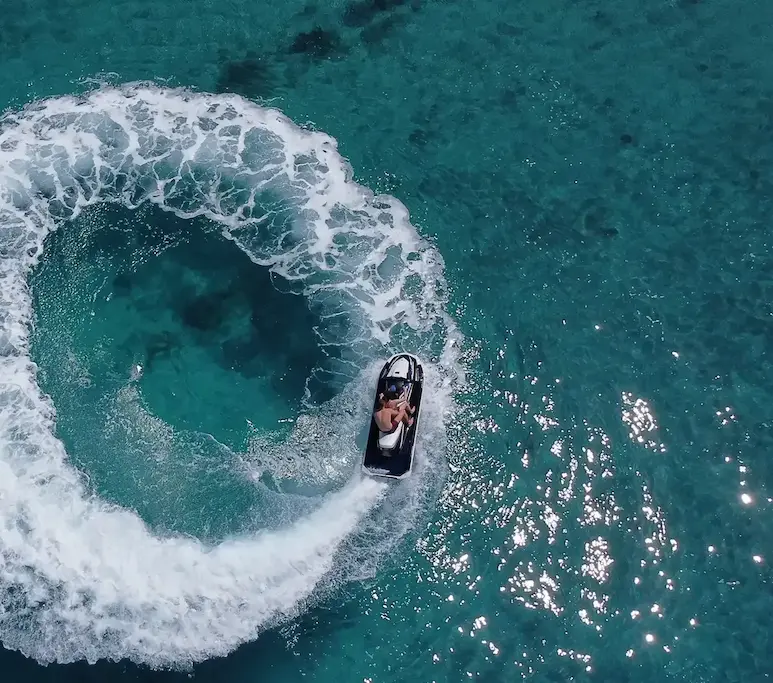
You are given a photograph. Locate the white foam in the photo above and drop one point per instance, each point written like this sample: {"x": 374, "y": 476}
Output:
{"x": 284, "y": 194}
{"x": 83, "y": 580}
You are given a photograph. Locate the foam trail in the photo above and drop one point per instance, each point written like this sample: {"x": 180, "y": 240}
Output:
{"x": 282, "y": 193}
{"x": 83, "y": 580}
{"x": 175, "y": 601}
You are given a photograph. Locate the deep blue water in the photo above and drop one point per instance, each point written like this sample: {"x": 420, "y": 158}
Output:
{"x": 594, "y": 502}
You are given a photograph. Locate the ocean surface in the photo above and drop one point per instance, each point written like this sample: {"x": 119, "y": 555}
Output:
{"x": 218, "y": 218}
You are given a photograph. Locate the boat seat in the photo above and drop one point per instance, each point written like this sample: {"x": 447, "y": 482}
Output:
{"x": 388, "y": 440}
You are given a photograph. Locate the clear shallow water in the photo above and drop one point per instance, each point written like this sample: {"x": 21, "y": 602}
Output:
{"x": 596, "y": 181}
{"x": 153, "y": 323}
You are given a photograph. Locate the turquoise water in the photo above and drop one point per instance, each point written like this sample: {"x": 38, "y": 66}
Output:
{"x": 584, "y": 265}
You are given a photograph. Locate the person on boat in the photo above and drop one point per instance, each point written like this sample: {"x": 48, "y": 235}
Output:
{"x": 392, "y": 409}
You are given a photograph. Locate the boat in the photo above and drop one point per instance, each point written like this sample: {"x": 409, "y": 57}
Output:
{"x": 390, "y": 454}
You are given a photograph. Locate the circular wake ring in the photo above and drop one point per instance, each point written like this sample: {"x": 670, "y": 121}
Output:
{"x": 83, "y": 580}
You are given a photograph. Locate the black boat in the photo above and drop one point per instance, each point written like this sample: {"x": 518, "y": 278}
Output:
{"x": 390, "y": 454}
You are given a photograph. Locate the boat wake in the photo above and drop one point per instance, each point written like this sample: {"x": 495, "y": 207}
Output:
{"x": 82, "y": 579}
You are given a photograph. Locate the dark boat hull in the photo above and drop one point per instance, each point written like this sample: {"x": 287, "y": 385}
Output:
{"x": 398, "y": 462}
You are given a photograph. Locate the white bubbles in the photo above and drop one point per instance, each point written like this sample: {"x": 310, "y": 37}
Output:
{"x": 81, "y": 579}
{"x": 282, "y": 193}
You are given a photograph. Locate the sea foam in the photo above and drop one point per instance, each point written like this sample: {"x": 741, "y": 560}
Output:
{"x": 81, "y": 579}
